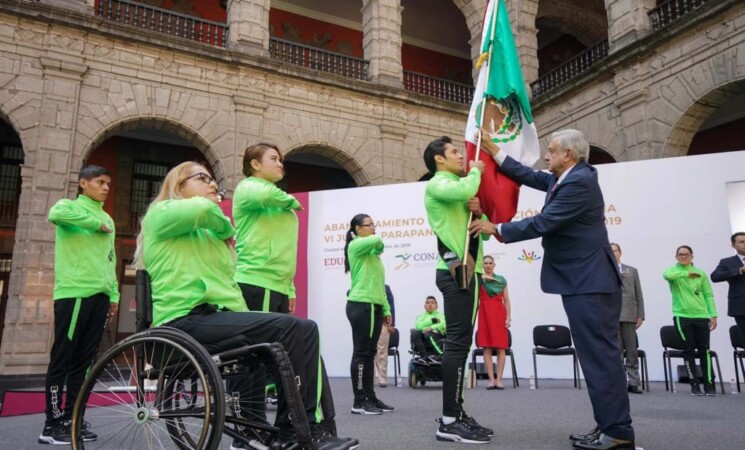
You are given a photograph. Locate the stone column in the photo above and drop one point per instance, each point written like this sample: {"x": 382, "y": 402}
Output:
{"x": 250, "y": 108}
{"x": 627, "y": 21}
{"x": 631, "y": 102}
{"x": 248, "y": 26}
{"x": 381, "y": 41}
{"x": 46, "y": 176}
{"x": 522, "y": 16}
{"x": 392, "y": 154}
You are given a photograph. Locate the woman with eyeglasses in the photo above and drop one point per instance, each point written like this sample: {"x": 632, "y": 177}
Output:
{"x": 367, "y": 309}
{"x": 184, "y": 244}
{"x": 695, "y": 316}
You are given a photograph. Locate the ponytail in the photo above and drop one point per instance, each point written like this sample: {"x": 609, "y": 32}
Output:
{"x": 356, "y": 221}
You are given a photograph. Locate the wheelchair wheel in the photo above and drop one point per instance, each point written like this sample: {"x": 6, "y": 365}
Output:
{"x": 247, "y": 420}
{"x": 412, "y": 377}
{"x": 154, "y": 389}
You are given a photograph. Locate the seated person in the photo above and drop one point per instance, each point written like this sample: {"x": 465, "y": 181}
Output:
{"x": 186, "y": 246}
{"x": 429, "y": 333}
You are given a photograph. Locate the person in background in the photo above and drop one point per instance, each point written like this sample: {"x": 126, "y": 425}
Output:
{"x": 381, "y": 357}
{"x": 495, "y": 317}
{"x": 367, "y": 310}
{"x": 428, "y": 334}
{"x": 86, "y": 296}
{"x": 732, "y": 270}
{"x": 695, "y": 316}
{"x": 632, "y": 317}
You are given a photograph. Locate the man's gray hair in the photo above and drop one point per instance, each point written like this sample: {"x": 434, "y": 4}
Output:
{"x": 574, "y": 140}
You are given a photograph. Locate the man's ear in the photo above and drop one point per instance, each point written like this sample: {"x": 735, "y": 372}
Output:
{"x": 439, "y": 159}
{"x": 255, "y": 164}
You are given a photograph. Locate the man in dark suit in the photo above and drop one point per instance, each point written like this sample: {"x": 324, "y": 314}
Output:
{"x": 732, "y": 270}
{"x": 632, "y": 317}
{"x": 579, "y": 265}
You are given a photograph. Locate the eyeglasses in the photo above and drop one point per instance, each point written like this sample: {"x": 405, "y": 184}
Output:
{"x": 203, "y": 177}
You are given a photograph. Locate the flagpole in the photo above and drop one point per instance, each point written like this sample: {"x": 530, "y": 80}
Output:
{"x": 495, "y": 10}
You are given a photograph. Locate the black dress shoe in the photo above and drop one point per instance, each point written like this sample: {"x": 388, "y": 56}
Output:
{"x": 591, "y": 436}
{"x": 635, "y": 390}
{"x": 605, "y": 442}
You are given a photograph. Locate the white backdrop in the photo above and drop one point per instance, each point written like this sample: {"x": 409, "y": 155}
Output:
{"x": 652, "y": 207}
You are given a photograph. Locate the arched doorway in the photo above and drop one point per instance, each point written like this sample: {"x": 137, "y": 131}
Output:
{"x": 723, "y": 130}
{"x": 567, "y": 28}
{"x": 319, "y": 168}
{"x": 600, "y": 156}
{"x": 714, "y": 123}
{"x": 435, "y": 50}
{"x": 11, "y": 158}
{"x": 139, "y": 152}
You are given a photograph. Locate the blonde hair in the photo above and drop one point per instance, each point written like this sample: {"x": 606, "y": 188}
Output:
{"x": 169, "y": 190}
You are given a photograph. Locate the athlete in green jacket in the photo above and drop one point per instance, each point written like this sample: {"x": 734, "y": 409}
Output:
{"x": 449, "y": 199}
{"x": 429, "y": 327}
{"x": 185, "y": 246}
{"x": 86, "y": 293}
{"x": 266, "y": 232}
{"x": 694, "y": 314}
{"x": 367, "y": 309}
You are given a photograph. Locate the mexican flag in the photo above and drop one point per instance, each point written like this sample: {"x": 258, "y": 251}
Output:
{"x": 500, "y": 90}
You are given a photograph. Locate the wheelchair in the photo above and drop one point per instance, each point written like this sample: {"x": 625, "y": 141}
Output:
{"x": 422, "y": 370}
{"x": 160, "y": 388}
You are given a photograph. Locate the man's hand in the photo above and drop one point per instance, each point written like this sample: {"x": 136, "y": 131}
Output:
{"x": 291, "y": 306}
{"x": 388, "y": 319}
{"x": 639, "y": 322}
{"x": 487, "y": 144}
{"x": 477, "y": 164}
{"x": 694, "y": 275}
{"x": 104, "y": 229}
{"x": 742, "y": 270}
{"x": 113, "y": 309}
{"x": 713, "y": 324}
{"x": 482, "y": 227}
{"x": 391, "y": 328}
{"x": 474, "y": 205}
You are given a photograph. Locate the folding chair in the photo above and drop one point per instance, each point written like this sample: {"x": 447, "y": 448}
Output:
{"x": 673, "y": 347}
{"x": 554, "y": 340}
{"x": 478, "y": 351}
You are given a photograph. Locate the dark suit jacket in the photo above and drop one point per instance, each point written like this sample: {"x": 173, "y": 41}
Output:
{"x": 577, "y": 255}
{"x": 729, "y": 270}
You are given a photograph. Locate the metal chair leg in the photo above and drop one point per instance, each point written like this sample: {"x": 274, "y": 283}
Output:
{"x": 515, "y": 383}
{"x": 645, "y": 371}
{"x": 719, "y": 373}
{"x": 535, "y": 370}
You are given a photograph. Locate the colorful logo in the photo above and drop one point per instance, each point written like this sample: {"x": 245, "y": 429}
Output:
{"x": 528, "y": 257}
{"x": 404, "y": 263}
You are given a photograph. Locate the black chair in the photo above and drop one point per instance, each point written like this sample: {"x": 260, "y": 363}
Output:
{"x": 508, "y": 352}
{"x": 673, "y": 347}
{"x": 642, "y": 364}
{"x": 393, "y": 351}
{"x": 554, "y": 340}
{"x": 738, "y": 354}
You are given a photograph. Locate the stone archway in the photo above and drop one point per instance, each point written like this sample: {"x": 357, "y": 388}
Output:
{"x": 697, "y": 113}
{"x": 158, "y": 124}
{"x": 327, "y": 156}
{"x": 599, "y": 155}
